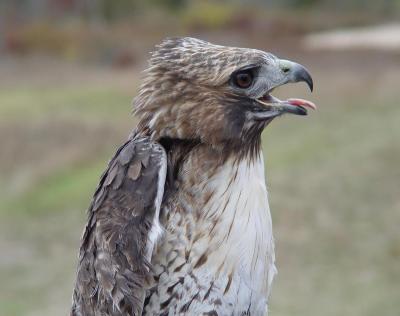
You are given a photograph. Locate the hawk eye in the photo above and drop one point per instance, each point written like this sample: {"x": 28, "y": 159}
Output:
{"x": 243, "y": 79}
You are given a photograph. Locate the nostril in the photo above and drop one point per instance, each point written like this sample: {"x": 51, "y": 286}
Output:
{"x": 285, "y": 69}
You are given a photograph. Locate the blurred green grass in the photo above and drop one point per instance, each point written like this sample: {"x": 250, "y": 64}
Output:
{"x": 67, "y": 188}
{"x": 33, "y": 110}
{"x": 41, "y": 222}
{"x": 332, "y": 176}
{"x": 91, "y": 103}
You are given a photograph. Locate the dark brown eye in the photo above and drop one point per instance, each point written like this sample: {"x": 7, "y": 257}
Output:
{"x": 243, "y": 79}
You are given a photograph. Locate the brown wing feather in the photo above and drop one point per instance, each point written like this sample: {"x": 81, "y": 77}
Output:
{"x": 116, "y": 250}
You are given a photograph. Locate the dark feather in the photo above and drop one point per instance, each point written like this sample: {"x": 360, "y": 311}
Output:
{"x": 114, "y": 255}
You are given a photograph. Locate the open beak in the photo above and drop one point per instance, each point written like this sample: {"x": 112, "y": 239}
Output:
{"x": 271, "y": 106}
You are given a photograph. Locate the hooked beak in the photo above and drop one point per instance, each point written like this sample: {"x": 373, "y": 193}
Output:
{"x": 270, "y": 106}
{"x": 297, "y": 73}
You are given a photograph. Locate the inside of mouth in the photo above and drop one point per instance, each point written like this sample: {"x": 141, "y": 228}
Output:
{"x": 268, "y": 98}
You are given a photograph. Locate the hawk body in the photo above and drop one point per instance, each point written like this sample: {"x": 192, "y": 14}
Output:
{"x": 180, "y": 222}
{"x": 122, "y": 229}
{"x": 217, "y": 255}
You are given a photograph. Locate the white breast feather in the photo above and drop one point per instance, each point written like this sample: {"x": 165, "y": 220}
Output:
{"x": 243, "y": 241}
{"x": 156, "y": 229}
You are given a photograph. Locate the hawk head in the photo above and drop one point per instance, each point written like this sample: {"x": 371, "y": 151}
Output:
{"x": 217, "y": 95}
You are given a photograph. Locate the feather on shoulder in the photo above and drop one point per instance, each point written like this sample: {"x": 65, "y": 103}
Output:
{"x": 122, "y": 229}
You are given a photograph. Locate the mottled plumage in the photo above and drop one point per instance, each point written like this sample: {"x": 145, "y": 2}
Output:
{"x": 180, "y": 223}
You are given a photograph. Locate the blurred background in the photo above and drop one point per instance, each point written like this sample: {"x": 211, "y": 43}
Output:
{"x": 69, "y": 70}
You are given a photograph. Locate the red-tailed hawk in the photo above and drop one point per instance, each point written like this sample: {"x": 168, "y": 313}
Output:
{"x": 180, "y": 222}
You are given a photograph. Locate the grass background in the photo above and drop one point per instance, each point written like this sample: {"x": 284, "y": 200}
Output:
{"x": 333, "y": 178}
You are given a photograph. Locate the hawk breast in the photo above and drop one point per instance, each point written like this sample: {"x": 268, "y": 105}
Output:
{"x": 217, "y": 254}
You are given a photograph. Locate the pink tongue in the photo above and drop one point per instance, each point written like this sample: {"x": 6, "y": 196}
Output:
{"x": 302, "y": 102}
